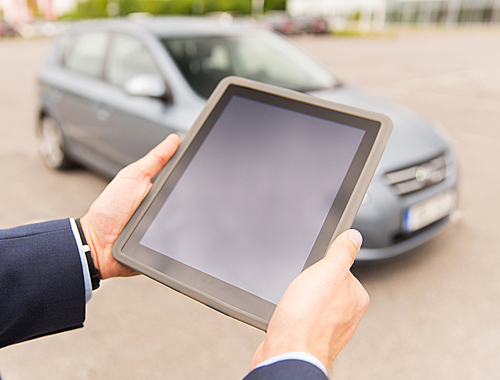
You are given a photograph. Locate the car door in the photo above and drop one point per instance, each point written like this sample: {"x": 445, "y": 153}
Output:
{"x": 131, "y": 125}
{"x": 80, "y": 87}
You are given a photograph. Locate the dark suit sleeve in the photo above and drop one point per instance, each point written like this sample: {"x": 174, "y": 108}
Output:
{"x": 289, "y": 370}
{"x": 42, "y": 288}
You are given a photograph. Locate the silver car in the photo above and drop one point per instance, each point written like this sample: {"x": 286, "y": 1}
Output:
{"x": 112, "y": 89}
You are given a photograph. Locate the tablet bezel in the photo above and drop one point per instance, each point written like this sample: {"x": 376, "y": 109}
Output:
{"x": 213, "y": 292}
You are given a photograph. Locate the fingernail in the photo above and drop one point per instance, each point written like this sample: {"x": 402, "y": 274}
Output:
{"x": 355, "y": 237}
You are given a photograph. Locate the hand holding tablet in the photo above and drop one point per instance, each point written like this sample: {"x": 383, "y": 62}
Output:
{"x": 321, "y": 308}
{"x": 255, "y": 194}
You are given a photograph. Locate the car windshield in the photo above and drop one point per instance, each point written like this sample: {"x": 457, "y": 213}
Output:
{"x": 268, "y": 58}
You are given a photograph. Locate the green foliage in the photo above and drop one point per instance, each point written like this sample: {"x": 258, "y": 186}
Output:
{"x": 34, "y": 8}
{"x": 270, "y": 5}
{"x": 98, "y": 8}
{"x": 89, "y": 9}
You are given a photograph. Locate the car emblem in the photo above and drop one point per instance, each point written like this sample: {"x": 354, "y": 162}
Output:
{"x": 428, "y": 175}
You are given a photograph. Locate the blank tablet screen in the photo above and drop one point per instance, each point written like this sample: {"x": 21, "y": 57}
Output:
{"x": 255, "y": 195}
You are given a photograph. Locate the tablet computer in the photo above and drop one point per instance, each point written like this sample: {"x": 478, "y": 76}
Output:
{"x": 261, "y": 185}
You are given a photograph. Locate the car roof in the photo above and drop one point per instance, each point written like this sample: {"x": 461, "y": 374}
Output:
{"x": 174, "y": 26}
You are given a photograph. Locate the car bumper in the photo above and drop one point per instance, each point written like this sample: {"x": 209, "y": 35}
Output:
{"x": 374, "y": 255}
{"x": 383, "y": 217}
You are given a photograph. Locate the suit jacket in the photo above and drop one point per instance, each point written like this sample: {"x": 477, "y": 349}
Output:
{"x": 41, "y": 281}
{"x": 42, "y": 292}
{"x": 287, "y": 370}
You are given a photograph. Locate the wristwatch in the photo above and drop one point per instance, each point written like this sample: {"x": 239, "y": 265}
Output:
{"x": 95, "y": 278}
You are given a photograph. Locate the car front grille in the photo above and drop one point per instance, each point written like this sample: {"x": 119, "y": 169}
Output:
{"x": 418, "y": 177}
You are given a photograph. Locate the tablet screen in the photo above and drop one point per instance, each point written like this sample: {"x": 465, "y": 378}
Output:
{"x": 255, "y": 195}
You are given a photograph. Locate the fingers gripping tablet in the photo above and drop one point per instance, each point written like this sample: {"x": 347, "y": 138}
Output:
{"x": 263, "y": 182}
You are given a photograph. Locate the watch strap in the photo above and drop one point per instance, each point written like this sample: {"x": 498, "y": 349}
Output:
{"x": 95, "y": 278}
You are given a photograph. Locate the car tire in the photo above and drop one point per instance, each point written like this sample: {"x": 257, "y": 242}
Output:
{"x": 51, "y": 144}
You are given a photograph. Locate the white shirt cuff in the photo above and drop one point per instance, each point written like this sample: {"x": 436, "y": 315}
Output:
{"x": 296, "y": 355}
{"x": 83, "y": 258}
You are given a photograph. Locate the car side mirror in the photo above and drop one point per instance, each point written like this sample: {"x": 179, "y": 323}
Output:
{"x": 149, "y": 85}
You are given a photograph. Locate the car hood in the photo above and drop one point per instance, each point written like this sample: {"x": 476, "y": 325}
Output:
{"x": 414, "y": 139}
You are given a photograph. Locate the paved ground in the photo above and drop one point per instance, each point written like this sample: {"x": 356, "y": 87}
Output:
{"x": 433, "y": 313}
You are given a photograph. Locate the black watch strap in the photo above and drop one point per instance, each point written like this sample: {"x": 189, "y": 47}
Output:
{"x": 95, "y": 278}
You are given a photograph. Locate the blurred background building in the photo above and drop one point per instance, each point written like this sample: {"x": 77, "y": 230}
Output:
{"x": 443, "y": 12}
{"x": 375, "y": 14}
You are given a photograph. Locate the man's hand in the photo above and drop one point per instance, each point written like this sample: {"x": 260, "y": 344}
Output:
{"x": 320, "y": 309}
{"x": 114, "y": 207}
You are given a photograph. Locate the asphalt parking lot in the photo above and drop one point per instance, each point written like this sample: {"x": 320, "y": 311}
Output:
{"x": 433, "y": 313}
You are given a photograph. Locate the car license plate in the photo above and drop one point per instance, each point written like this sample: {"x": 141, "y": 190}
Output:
{"x": 431, "y": 210}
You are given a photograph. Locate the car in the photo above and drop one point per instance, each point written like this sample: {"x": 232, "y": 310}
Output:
{"x": 312, "y": 24}
{"x": 112, "y": 89}
{"x": 281, "y": 22}
{"x": 7, "y": 29}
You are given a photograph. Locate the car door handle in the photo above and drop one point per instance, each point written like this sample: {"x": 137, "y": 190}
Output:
{"x": 103, "y": 112}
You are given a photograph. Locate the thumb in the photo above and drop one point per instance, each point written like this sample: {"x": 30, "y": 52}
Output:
{"x": 345, "y": 247}
{"x": 156, "y": 159}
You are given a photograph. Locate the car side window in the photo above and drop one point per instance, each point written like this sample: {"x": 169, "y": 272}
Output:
{"x": 127, "y": 58}
{"x": 86, "y": 54}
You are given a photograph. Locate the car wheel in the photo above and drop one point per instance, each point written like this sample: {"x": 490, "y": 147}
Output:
{"x": 51, "y": 144}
